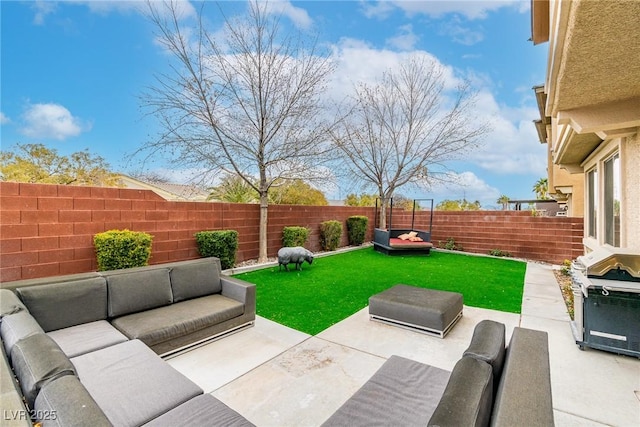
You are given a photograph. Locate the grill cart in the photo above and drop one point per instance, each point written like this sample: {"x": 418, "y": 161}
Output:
{"x": 606, "y": 290}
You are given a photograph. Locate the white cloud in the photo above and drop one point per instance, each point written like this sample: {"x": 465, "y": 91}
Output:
{"x": 4, "y": 119}
{"x": 42, "y": 8}
{"x": 51, "y": 121}
{"x": 465, "y": 185}
{"x": 380, "y": 9}
{"x": 106, "y": 7}
{"x": 511, "y": 147}
{"x": 460, "y": 33}
{"x": 298, "y": 16}
{"x": 472, "y": 9}
{"x": 358, "y": 62}
{"x": 405, "y": 40}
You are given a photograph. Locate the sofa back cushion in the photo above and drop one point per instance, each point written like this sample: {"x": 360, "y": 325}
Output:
{"x": 131, "y": 292}
{"x": 468, "y": 397}
{"x": 488, "y": 345}
{"x": 36, "y": 360}
{"x": 9, "y": 303}
{"x": 65, "y": 304}
{"x": 192, "y": 280}
{"x": 524, "y": 392}
{"x": 16, "y": 327}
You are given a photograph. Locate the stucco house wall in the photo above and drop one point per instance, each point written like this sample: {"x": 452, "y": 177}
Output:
{"x": 561, "y": 182}
{"x": 590, "y": 111}
{"x": 630, "y": 154}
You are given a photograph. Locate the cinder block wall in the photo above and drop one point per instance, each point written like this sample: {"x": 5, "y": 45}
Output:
{"x": 47, "y": 230}
{"x": 549, "y": 239}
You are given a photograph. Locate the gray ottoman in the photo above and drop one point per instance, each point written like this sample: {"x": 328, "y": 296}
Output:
{"x": 425, "y": 310}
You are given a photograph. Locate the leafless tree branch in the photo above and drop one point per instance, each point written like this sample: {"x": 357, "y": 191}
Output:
{"x": 397, "y": 130}
{"x": 248, "y": 104}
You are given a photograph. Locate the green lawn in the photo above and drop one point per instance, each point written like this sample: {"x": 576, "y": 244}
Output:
{"x": 337, "y": 286}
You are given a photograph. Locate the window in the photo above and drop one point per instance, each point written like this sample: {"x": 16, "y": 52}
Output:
{"x": 612, "y": 200}
{"x": 592, "y": 201}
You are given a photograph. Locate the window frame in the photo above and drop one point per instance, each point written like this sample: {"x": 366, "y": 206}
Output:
{"x": 592, "y": 203}
{"x": 611, "y": 186}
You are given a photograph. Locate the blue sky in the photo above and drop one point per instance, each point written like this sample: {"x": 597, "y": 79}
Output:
{"x": 72, "y": 73}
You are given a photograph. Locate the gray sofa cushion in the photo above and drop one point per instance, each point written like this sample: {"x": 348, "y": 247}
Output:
{"x": 16, "y": 327}
{"x": 165, "y": 323}
{"x": 131, "y": 292}
{"x": 524, "y": 393}
{"x": 65, "y": 402}
{"x": 468, "y": 397}
{"x": 9, "y": 303}
{"x": 61, "y": 305}
{"x": 401, "y": 393}
{"x": 131, "y": 384}
{"x": 81, "y": 339}
{"x": 36, "y": 360}
{"x": 11, "y": 400}
{"x": 201, "y": 410}
{"x": 194, "y": 280}
{"x": 488, "y": 345}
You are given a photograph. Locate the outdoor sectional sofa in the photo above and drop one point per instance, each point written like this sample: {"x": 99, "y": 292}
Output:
{"x": 77, "y": 368}
{"x": 490, "y": 385}
{"x": 85, "y": 348}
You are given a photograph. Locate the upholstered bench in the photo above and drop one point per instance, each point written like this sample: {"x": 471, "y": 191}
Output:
{"x": 425, "y": 310}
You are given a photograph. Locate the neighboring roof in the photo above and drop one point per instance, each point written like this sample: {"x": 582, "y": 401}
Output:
{"x": 167, "y": 191}
{"x": 539, "y": 21}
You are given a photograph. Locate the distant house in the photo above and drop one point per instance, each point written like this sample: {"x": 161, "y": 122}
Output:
{"x": 176, "y": 192}
{"x": 590, "y": 113}
{"x": 541, "y": 207}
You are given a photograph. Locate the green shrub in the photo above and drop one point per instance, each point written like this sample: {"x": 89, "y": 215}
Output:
{"x": 499, "y": 252}
{"x": 566, "y": 267}
{"x": 330, "y": 234}
{"x": 221, "y": 244}
{"x": 118, "y": 249}
{"x": 356, "y": 229}
{"x": 450, "y": 244}
{"x": 294, "y": 236}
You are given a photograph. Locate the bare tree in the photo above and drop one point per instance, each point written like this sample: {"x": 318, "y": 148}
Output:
{"x": 399, "y": 130}
{"x": 244, "y": 100}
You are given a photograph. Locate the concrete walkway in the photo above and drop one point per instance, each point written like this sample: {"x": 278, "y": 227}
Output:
{"x": 276, "y": 376}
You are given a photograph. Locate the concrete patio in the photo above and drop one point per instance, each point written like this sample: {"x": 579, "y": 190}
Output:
{"x": 276, "y": 376}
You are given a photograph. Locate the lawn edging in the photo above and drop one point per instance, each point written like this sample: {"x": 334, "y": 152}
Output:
{"x": 248, "y": 268}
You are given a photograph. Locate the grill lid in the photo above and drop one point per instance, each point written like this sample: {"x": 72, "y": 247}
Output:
{"x": 612, "y": 263}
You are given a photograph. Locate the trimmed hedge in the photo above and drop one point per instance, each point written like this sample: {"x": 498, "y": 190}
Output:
{"x": 294, "y": 236}
{"x": 118, "y": 249}
{"x": 221, "y": 244}
{"x": 330, "y": 234}
{"x": 356, "y": 229}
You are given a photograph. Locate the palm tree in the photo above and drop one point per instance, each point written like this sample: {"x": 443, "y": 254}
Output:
{"x": 233, "y": 189}
{"x": 504, "y": 201}
{"x": 541, "y": 188}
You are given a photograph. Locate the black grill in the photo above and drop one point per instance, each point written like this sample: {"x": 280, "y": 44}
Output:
{"x": 606, "y": 288}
